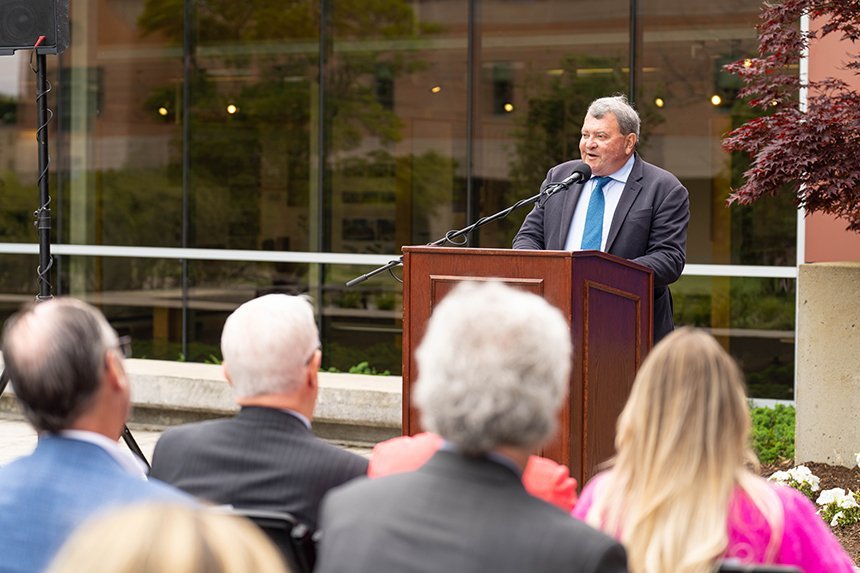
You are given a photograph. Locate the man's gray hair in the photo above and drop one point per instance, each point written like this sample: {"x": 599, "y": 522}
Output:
{"x": 267, "y": 344}
{"x": 54, "y": 353}
{"x": 628, "y": 119}
{"x": 493, "y": 368}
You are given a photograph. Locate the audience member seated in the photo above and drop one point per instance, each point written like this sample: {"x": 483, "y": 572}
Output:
{"x": 266, "y": 457}
{"x": 67, "y": 370}
{"x": 157, "y": 538}
{"x": 542, "y": 477}
{"x": 682, "y": 492}
{"x": 494, "y": 366}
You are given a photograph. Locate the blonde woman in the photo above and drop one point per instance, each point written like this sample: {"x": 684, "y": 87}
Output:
{"x": 680, "y": 494}
{"x": 157, "y": 538}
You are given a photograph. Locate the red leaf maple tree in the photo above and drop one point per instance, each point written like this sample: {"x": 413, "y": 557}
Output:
{"x": 813, "y": 154}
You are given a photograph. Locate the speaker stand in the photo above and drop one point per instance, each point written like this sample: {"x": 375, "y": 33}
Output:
{"x": 43, "y": 216}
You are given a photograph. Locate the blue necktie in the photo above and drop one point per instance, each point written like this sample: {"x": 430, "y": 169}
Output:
{"x": 592, "y": 236}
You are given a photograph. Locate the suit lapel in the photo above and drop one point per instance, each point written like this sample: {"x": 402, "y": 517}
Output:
{"x": 628, "y": 197}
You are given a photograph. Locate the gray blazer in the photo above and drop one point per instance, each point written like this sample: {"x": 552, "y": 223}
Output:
{"x": 262, "y": 458}
{"x": 456, "y": 514}
{"x": 649, "y": 227}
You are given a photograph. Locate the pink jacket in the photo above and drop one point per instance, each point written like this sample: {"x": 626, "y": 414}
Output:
{"x": 542, "y": 477}
{"x": 807, "y": 541}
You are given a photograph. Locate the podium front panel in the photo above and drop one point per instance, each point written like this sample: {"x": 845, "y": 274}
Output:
{"x": 607, "y": 302}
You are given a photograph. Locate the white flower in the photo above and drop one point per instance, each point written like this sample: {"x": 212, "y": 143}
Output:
{"x": 847, "y": 501}
{"x": 835, "y": 521}
{"x": 802, "y": 475}
{"x": 814, "y": 482}
{"x": 800, "y": 471}
{"x": 829, "y": 496}
{"x": 857, "y": 458}
{"x": 780, "y": 476}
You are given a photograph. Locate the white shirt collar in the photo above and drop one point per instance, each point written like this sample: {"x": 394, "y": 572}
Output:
{"x": 125, "y": 459}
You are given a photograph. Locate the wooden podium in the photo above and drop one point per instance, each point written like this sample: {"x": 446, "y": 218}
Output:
{"x": 608, "y": 302}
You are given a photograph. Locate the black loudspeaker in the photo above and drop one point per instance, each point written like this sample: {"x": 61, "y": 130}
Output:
{"x": 23, "y": 21}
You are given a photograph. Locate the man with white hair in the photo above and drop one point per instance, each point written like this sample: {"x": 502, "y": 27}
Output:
{"x": 65, "y": 364}
{"x": 266, "y": 457}
{"x": 493, "y": 371}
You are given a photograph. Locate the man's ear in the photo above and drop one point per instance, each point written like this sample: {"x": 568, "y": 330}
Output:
{"x": 226, "y": 373}
{"x": 314, "y": 367}
{"x": 630, "y": 143}
{"x": 115, "y": 375}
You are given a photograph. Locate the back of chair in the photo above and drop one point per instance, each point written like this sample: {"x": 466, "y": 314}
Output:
{"x": 295, "y": 540}
{"x": 733, "y": 567}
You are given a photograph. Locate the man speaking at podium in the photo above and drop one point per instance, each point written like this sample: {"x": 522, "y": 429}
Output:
{"x": 629, "y": 208}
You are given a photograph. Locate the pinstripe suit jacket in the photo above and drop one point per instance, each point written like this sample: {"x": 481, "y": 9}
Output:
{"x": 262, "y": 458}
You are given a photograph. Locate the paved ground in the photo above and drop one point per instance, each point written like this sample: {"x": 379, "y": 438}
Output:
{"x": 17, "y": 439}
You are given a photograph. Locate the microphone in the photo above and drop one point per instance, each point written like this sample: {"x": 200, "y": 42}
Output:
{"x": 581, "y": 174}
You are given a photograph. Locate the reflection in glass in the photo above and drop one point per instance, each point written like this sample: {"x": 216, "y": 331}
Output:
{"x": 752, "y": 318}
{"x": 119, "y": 130}
{"x": 359, "y": 126}
{"x": 141, "y": 297}
{"x": 683, "y": 50}
{"x": 252, "y": 81}
{"x": 395, "y": 107}
{"x": 362, "y": 323}
{"x": 540, "y": 65}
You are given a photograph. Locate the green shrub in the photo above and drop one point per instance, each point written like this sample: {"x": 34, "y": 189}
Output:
{"x": 773, "y": 433}
{"x": 361, "y": 368}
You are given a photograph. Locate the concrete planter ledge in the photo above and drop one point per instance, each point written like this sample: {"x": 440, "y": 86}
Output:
{"x": 351, "y": 408}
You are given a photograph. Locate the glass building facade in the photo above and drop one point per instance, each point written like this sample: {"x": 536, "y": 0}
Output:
{"x": 204, "y": 152}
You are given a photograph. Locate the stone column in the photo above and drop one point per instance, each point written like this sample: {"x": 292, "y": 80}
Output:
{"x": 828, "y": 363}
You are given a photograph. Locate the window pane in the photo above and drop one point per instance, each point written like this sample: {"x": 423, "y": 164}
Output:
{"x": 396, "y": 124}
{"x": 359, "y": 324}
{"x": 139, "y": 296}
{"x": 540, "y": 64}
{"x": 753, "y": 319}
{"x": 363, "y": 323}
{"x": 119, "y": 136}
{"x": 695, "y": 103}
{"x": 252, "y": 122}
{"x": 18, "y": 284}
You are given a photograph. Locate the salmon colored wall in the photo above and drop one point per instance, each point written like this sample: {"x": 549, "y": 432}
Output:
{"x": 826, "y": 237}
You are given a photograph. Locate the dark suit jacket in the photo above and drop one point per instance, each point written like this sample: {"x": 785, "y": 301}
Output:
{"x": 45, "y": 496}
{"x": 649, "y": 227}
{"x": 456, "y": 514}
{"x": 261, "y": 459}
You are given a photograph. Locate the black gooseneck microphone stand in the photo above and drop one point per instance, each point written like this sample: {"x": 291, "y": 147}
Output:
{"x": 581, "y": 173}
{"x": 43, "y": 214}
